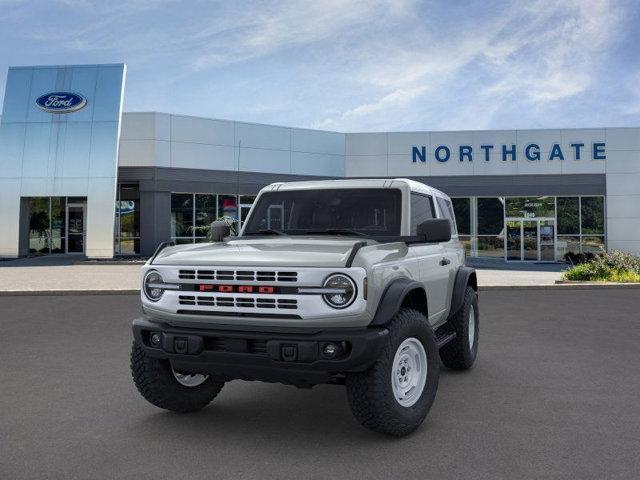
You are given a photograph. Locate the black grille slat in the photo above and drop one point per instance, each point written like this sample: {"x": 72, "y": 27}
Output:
{"x": 225, "y": 302}
{"x": 266, "y": 303}
{"x": 238, "y": 275}
{"x": 245, "y": 302}
{"x": 187, "y": 274}
{"x": 287, "y": 303}
{"x": 206, "y": 301}
{"x": 186, "y": 300}
{"x": 225, "y": 275}
{"x": 266, "y": 276}
{"x": 206, "y": 274}
{"x": 240, "y": 302}
{"x": 245, "y": 275}
{"x": 287, "y": 277}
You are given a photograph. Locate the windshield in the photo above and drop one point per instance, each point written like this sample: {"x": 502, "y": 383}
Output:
{"x": 365, "y": 211}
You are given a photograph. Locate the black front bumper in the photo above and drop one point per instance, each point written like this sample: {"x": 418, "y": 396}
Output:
{"x": 292, "y": 356}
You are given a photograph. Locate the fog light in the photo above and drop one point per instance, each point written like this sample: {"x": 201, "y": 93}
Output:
{"x": 330, "y": 350}
{"x": 156, "y": 339}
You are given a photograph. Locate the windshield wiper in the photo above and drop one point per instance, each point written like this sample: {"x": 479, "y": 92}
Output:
{"x": 335, "y": 231}
{"x": 266, "y": 231}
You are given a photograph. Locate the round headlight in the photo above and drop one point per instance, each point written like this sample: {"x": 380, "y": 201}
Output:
{"x": 150, "y": 284}
{"x": 342, "y": 291}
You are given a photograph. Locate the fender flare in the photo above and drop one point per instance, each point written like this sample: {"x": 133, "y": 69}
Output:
{"x": 465, "y": 276}
{"x": 391, "y": 299}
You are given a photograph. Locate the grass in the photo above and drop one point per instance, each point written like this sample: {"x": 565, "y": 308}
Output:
{"x": 587, "y": 272}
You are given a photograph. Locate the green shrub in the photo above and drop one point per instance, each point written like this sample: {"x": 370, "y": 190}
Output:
{"x": 615, "y": 266}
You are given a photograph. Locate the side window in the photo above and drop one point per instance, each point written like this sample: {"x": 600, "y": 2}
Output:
{"x": 421, "y": 210}
{"x": 447, "y": 211}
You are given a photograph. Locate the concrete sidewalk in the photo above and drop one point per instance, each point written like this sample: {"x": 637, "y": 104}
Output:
{"x": 66, "y": 275}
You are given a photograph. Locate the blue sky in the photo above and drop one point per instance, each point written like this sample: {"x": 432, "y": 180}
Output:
{"x": 373, "y": 65}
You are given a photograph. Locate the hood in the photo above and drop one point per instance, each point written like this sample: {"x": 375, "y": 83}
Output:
{"x": 271, "y": 252}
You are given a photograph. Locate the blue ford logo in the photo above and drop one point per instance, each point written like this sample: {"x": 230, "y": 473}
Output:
{"x": 61, "y": 102}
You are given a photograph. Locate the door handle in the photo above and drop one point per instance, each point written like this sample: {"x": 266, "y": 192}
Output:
{"x": 445, "y": 261}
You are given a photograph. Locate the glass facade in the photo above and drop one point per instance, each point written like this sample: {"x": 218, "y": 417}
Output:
{"x": 192, "y": 214}
{"x": 535, "y": 228}
{"x": 57, "y": 225}
{"x": 127, "y": 227}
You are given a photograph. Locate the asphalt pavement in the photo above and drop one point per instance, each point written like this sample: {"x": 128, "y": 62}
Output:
{"x": 555, "y": 394}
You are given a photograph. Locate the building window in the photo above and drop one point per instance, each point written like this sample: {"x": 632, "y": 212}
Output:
{"x": 530, "y": 207}
{"x": 193, "y": 213}
{"x": 462, "y": 210}
{"x": 205, "y": 213}
{"x": 228, "y": 209}
{"x": 127, "y": 228}
{"x": 581, "y": 223}
{"x": 568, "y": 216}
{"x": 56, "y": 225}
{"x": 592, "y": 215}
{"x": 490, "y": 216}
{"x": 490, "y": 246}
{"x": 40, "y": 225}
{"x": 182, "y": 205}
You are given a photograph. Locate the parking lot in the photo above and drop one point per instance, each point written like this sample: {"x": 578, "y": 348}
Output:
{"x": 555, "y": 394}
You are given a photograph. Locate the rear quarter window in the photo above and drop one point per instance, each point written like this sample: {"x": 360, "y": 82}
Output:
{"x": 447, "y": 211}
{"x": 421, "y": 210}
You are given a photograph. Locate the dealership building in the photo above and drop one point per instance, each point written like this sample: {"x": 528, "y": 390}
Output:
{"x": 80, "y": 176}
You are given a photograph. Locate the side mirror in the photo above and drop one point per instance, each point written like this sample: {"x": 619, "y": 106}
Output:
{"x": 219, "y": 230}
{"x": 435, "y": 230}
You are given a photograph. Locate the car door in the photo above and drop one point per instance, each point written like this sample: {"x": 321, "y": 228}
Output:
{"x": 451, "y": 248}
{"x": 434, "y": 272}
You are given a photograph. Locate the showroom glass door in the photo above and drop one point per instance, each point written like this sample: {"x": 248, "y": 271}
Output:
{"x": 547, "y": 235}
{"x": 530, "y": 240}
{"x": 513, "y": 245}
{"x": 75, "y": 227}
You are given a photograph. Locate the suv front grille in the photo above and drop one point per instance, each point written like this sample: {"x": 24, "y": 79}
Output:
{"x": 239, "y": 302}
{"x": 238, "y": 275}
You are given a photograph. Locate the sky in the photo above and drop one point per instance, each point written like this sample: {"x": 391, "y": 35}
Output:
{"x": 351, "y": 65}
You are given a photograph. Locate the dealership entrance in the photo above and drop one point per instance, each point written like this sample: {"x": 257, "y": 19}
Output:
{"x": 530, "y": 239}
{"x": 56, "y": 225}
{"x": 76, "y": 220}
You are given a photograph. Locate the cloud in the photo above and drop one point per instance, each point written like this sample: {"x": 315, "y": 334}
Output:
{"x": 285, "y": 25}
{"x": 344, "y": 64}
{"x": 535, "y": 55}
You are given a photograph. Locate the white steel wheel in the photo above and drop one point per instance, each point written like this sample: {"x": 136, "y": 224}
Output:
{"x": 409, "y": 372}
{"x": 472, "y": 326}
{"x": 189, "y": 379}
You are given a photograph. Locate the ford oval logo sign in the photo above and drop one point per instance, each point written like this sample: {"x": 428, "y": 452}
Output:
{"x": 61, "y": 102}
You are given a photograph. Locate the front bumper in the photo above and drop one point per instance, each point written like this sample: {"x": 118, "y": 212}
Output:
{"x": 292, "y": 356}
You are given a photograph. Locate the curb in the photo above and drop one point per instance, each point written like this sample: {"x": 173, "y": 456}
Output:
{"x": 22, "y": 293}
{"x": 563, "y": 286}
{"x": 483, "y": 288}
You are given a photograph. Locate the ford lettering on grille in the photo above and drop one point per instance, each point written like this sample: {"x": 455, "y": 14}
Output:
{"x": 237, "y": 288}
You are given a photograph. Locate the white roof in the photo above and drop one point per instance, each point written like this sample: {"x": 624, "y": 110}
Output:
{"x": 356, "y": 183}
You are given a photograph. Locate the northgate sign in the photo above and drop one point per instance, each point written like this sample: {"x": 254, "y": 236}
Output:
{"x": 531, "y": 152}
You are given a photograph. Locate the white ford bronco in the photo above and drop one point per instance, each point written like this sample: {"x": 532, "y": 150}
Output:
{"x": 359, "y": 283}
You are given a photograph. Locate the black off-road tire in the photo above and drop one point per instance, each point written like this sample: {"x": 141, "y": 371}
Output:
{"x": 157, "y": 384}
{"x": 370, "y": 393}
{"x": 458, "y": 354}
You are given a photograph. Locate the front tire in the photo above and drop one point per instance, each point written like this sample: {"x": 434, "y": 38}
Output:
{"x": 460, "y": 353}
{"x": 396, "y": 393}
{"x": 163, "y": 387}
